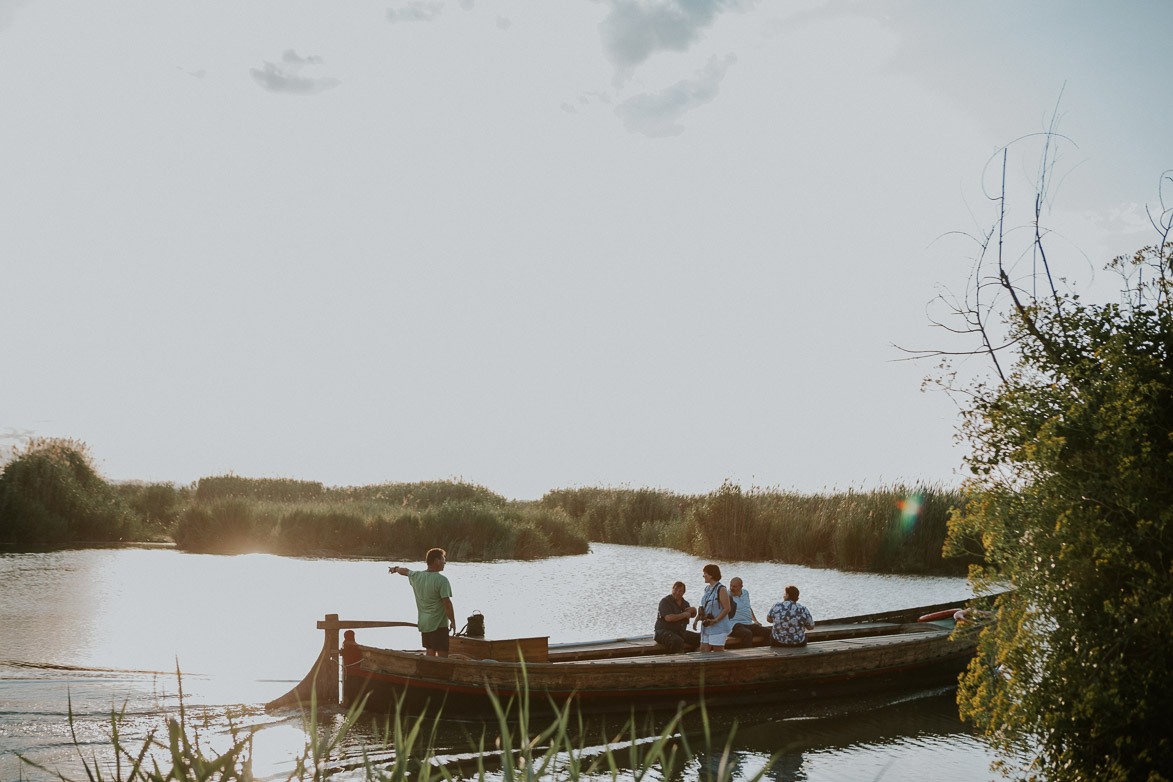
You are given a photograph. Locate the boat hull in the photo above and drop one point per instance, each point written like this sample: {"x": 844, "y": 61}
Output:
{"x": 912, "y": 656}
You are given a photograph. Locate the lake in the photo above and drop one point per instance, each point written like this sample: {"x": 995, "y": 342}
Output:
{"x": 101, "y": 629}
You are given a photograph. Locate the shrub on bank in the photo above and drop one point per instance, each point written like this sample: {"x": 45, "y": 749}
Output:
{"x": 226, "y": 526}
{"x": 157, "y": 504}
{"x": 51, "y": 494}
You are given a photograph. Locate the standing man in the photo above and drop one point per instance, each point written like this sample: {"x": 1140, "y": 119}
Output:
{"x": 433, "y": 602}
{"x": 672, "y": 621}
{"x": 791, "y": 620}
{"x": 744, "y": 618}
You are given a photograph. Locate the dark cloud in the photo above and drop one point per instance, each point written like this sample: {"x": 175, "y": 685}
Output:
{"x": 635, "y": 29}
{"x": 416, "y": 11}
{"x": 658, "y": 114}
{"x": 286, "y": 76}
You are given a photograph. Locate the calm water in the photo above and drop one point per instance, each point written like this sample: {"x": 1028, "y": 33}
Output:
{"x": 102, "y": 629}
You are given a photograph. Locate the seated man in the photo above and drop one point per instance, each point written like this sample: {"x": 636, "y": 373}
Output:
{"x": 791, "y": 620}
{"x": 672, "y": 621}
{"x": 744, "y": 619}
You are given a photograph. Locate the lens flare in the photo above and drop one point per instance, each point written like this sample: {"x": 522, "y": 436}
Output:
{"x": 910, "y": 511}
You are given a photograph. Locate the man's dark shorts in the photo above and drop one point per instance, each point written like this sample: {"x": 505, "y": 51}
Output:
{"x": 743, "y": 633}
{"x": 676, "y": 642}
{"x": 437, "y": 639}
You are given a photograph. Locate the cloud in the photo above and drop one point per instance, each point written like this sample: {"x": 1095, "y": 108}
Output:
{"x": 504, "y": 23}
{"x": 418, "y": 11}
{"x": 636, "y": 29}
{"x": 285, "y": 76}
{"x": 657, "y": 114}
{"x": 1128, "y": 219}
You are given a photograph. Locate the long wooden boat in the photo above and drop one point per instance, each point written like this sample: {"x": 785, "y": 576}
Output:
{"x": 843, "y": 656}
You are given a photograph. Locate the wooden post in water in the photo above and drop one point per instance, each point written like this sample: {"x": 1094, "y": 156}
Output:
{"x": 327, "y": 683}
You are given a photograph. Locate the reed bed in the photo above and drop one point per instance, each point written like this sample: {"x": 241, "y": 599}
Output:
{"x": 50, "y": 494}
{"x": 468, "y": 530}
{"x": 894, "y": 529}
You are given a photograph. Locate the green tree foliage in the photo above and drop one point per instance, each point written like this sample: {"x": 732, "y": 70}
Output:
{"x": 50, "y": 494}
{"x": 1072, "y": 499}
{"x": 158, "y": 504}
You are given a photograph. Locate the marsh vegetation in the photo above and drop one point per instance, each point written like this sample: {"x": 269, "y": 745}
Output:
{"x": 51, "y": 495}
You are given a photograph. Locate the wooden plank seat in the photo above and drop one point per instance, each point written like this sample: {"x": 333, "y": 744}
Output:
{"x": 637, "y": 647}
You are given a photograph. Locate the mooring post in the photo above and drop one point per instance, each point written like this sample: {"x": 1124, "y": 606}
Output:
{"x": 327, "y": 684}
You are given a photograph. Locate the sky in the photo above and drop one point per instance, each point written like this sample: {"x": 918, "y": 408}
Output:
{"x": 537, "y": 245}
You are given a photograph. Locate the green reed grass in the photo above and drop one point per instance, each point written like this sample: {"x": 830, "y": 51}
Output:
{"x": 899, "y": 528}
{"x": 50, "y": 494}
{"x": 514, "y": 746}
{"x": 366, "y": 526}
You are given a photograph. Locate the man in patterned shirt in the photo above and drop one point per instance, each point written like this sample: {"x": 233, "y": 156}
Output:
{"x": 791, "y": 620}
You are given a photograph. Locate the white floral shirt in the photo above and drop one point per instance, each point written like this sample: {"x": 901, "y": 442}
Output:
{"x": 791, "y": 621}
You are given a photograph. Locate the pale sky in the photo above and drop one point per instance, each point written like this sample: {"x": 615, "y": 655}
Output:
{"x": 532, "y": 244}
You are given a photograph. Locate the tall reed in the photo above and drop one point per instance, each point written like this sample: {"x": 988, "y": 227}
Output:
{"x": 514, "y": 746}
{"x": 50, "y": 494}
{"x": 899, "y": 529}
{"x": 390, "y": 520}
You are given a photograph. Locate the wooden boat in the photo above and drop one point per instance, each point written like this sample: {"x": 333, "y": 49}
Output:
{"x": 843, "y": 656}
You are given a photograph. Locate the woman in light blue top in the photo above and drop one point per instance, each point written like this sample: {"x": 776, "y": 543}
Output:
{"x": 715, "y": 605}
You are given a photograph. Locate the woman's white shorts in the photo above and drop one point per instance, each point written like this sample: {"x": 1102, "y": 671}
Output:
{"x": 713, "y": 639}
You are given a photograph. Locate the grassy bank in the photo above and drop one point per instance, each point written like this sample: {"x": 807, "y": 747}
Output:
{"x": 896, "y": 529}
{"x": 50, "y": 494}
{"x": 231, "y": 514}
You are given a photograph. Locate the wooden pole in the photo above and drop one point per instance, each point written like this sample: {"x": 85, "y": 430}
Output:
{"x": 327, "y": 685}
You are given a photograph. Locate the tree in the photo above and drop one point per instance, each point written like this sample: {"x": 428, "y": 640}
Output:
{"x": 50, "y": 494}
{"x": 1071, "y": 499}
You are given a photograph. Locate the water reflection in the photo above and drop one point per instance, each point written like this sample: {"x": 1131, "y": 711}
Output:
{"x": 107, "y": 629}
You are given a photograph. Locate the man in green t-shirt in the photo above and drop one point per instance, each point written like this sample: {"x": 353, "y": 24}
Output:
{"x": 433, "y": 602}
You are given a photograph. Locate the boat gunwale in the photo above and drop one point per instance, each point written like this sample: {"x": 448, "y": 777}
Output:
{"x": 912, "y": 634}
